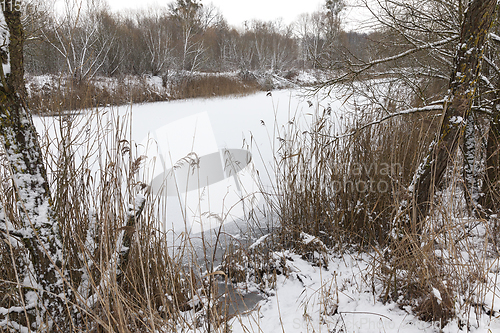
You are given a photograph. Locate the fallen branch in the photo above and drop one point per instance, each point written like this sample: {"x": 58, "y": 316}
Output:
{"x": 119, "y": 259}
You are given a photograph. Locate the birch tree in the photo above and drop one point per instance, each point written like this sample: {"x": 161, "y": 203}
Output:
{"x": 188, "y": 14}
{"x": 78, "y": 38}
{"x": 157, "y": 36}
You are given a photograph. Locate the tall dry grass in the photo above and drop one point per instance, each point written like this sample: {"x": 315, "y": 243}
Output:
{"x": 64, "y": 94}
{"x": 93, "y": 168}
{"x": 347, "y": 190}
{"x": 351, "y": 193}
{"x": 212, "y": 86}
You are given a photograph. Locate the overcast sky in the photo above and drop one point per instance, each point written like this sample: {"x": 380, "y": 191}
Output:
{"x": 238, "y": 11}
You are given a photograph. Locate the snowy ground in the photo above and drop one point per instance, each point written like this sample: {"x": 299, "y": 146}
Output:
{"x": 339, "y": 298}
{"x": 333, "y": 299}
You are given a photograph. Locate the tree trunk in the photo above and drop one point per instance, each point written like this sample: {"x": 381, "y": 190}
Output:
{"x": 474, "y": 31}
{"x": 491, "y": 185}
{"x": 472, "y": 166}
{"x": 37, "y": 226}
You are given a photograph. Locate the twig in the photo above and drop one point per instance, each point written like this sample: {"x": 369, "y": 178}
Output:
{"x": 366, "y": 313}
{"x": 359, "y": 68}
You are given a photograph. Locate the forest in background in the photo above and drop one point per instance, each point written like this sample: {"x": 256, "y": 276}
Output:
{"x": 87, "y": 39}
{"x": 81, "y": 54}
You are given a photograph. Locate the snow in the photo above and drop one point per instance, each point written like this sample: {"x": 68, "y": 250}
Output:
{"x": 342, "y": 297}
{"x": 456, "y": 120}
{"x": 170, "y": 133}
{"x": 258, "y": 242}
{"x": 437, "y": 294}
{"x": 318, "y": 299}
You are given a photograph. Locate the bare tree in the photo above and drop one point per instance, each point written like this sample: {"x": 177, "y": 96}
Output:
{"x": 310, "y": 31}
{"x": 78, "y": 38}
{"x": 158, "y": 38}
{"x": 188, "y": 14}
{"x": 274, "y": 47}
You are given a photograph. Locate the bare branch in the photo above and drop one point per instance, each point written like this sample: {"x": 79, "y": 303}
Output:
{"x": 434, "y": 107}
{"x": 359, "y": 68}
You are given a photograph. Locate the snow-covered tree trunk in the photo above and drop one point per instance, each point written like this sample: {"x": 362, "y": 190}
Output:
{"x": 472, "y": 169}
{"x": 474, "y": 30}
{"x": 38, "y": 228}
{"x": 491, "y": 185}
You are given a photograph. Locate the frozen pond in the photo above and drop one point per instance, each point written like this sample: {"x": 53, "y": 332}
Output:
{"x": 206, "y": 157}
{"x": 208, "y": 160}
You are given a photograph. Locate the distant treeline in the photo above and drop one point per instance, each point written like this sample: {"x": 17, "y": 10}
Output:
{"x": 88, "y": 39}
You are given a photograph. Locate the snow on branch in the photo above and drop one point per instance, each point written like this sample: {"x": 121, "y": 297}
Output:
{"x": 119, "y": 258}
{"x": 434, "y": 73}
{"x": 491, "y": 64}
{"x": 494, "y": 37}
{"x": 16, "y": 309}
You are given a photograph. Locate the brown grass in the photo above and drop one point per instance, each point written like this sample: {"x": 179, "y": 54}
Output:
{"x": 60, "y": 93}
{"x": 212, "y": 86}
{"x": 91, "y": 199}
{"x": 348, "y": 192}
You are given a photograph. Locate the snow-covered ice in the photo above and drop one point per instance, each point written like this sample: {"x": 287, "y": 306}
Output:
{"x": 202, "y": 132}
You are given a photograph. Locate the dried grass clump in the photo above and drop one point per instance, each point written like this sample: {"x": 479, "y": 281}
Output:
{"x": 346, "y": 191}
{"x": 94, "y": 182}
{"x": 64, "y": 94}
{"x": 211, "y": 85}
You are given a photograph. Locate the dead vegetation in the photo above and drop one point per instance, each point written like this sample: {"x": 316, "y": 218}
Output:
{"x": 48, "y": 94}
{"x": 332, "y": 194}
{"x": 347, "y": 191}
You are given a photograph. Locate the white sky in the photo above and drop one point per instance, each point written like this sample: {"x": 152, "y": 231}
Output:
{"x": 238, "y": 11}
